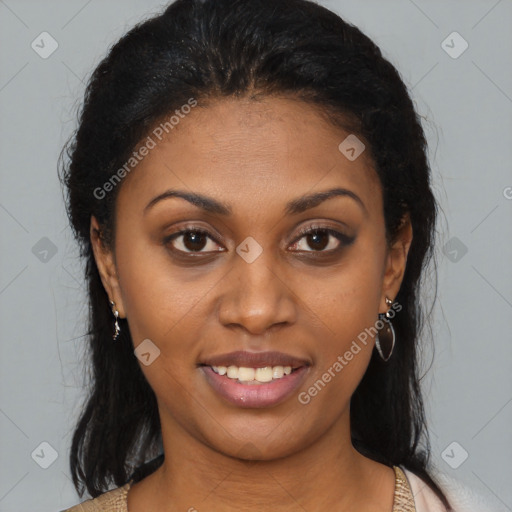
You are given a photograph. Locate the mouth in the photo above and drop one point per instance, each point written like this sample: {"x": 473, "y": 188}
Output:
{"x": 255, "y": 367}
{"x": 252, "y": 376}
{"x": 254, "y": 379}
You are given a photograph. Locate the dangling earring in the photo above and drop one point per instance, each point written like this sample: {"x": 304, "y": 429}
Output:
{"x": 385, "y": 338}
{"x": 116, "y": 325}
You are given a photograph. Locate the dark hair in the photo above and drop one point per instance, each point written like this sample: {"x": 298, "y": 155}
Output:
{"x": 208, "y": 50}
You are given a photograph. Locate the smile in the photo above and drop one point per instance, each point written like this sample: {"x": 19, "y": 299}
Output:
{"x": 252, "y": 393}
{"x": 245, "y": 375}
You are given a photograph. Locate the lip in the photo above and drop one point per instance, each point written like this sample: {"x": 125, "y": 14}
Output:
{"x": 255, "y": 395}
{"x": 255, "y": 359}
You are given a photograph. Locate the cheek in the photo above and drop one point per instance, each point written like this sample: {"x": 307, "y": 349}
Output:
{"x": 347, "y": 305}
{"x": 159, "y": 298}
{"x": 349, "y": 299}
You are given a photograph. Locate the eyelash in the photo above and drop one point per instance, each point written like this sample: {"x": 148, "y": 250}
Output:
{"x": 344, "y": 240}
{"x": 341, "y": 237}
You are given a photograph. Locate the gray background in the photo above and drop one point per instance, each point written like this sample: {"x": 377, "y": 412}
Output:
{"x": 466, "y": 103}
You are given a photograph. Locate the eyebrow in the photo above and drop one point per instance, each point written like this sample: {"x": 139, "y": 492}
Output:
{"x": 293, "y": 207}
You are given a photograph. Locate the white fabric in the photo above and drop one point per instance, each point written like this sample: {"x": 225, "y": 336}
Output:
{"x": 461, "y": 497}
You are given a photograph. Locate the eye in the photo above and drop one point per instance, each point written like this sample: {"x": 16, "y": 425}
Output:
{"x": 317, "y": 237}
{"x": 198, "y": 240}
{"x": 192, "y": 240}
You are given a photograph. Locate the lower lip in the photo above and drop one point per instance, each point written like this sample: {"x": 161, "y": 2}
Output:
{"x": 255, "y": 395}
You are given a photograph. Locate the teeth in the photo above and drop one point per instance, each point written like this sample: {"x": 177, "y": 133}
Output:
{"x": 262, "y": 374}
{"x": 277, "y": 372}
{"x": 232, "y": 372}
{"x": 244, "y": 374}
{"x": 248, "y": 374}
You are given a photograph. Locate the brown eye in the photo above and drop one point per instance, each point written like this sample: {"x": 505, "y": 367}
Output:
{"x": 192, "y": 241}
{"x": 318, "y": 239}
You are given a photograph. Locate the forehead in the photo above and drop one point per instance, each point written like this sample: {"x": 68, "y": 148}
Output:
{"x": 267, "y": 150}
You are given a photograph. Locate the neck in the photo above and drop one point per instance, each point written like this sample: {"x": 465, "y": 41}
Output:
{"x": 328, "y": 474}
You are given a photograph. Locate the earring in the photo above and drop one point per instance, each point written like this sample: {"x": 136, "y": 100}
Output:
{"x": 385, "y": 338}
{"x": 116, "y": 325}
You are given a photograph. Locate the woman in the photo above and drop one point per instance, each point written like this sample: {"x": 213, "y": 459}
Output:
{"x": 250, "y": 189}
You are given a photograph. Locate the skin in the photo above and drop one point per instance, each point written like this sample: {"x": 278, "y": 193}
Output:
{"x": 255, "y": 156}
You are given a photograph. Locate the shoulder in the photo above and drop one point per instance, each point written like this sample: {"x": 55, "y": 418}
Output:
{"x": 461, "y": 497}
{"x": 425, "y": 499}
{"x": 110, "y": 501}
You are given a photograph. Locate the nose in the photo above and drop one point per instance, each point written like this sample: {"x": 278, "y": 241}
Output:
{"x": 257, "y": 296}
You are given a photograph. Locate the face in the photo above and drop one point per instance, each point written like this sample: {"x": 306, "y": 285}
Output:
{"x": 231, "y": 276}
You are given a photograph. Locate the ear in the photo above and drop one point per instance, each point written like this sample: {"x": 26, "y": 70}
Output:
{"x": 396, "y": 262}
{"x": 106, "y": 266}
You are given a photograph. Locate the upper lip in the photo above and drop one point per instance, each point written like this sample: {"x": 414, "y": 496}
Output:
{"x": 255, "y": 359}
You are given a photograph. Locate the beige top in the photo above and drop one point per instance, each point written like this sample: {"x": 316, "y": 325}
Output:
{"x": 116, "y": 499}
